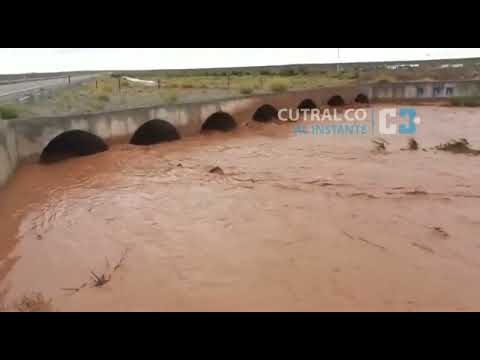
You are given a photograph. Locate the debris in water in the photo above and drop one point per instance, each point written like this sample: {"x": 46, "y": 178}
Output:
{"x": 460, "y": 146}
{"x": 217, "y": 170}
{"x": 380, "y": 144}
{"x": 440, "y": 231}
{"x": 99, "y": 281}
{"x": 412, "y": 144}
{"x": 416, "y": 192}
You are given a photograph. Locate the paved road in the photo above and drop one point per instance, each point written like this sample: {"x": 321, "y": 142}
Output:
{"x": 23, "y": 88}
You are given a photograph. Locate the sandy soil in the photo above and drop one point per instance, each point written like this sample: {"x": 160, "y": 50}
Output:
{"x": 295, "y": 223}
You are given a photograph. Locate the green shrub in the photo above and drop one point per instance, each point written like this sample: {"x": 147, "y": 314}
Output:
{"x": 349, "y": 76}
{"x": 469, "y": 101}
{"x": 456, "y": 101}
{"x": 104, "y": 98}
{"x": 303, "y": 71}
{"x": 98, "y": 106}
{"x": 171, "y": 97}
{"x": 246, "y": 90}
{"x": 338, "y": 75}
{"x": 287, "y": 72}
{"x": 279, "y": 85}
{"x": 105, "y": 88}
{"x": 125, "y": 83}
{"x": 7, "y": 112}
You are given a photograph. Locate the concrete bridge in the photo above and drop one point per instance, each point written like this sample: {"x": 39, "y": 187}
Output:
{"x": 50, "y": 139}
{"x": 53, "y": 138}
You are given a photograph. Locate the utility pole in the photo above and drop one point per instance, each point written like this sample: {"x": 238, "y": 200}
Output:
{"x": 338, "y": 57}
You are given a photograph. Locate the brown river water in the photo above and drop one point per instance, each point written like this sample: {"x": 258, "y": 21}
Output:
{"x": 295, "y": 223}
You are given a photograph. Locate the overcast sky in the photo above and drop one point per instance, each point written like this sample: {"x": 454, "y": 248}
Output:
{"x": 19, "y": 60}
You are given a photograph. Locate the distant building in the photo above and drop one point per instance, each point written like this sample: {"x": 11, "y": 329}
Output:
{"x": 453, "y": 66}
{"x": 402, "y": 66}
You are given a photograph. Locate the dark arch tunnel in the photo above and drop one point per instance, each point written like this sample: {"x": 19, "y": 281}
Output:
{"x": 307, "y": 104}
{"x": 362, "y": 99}
{"x": 154, "y": 132}
{"x": 336, "y": 100}
{"x": 71, "y": 144}
{"x": 220, "y": 121}
{"x": 265, "y": 113}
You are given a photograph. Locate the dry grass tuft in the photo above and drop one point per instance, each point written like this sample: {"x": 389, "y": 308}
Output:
{"x": 246, "y": 90}
{"x": 279, "y": 85}
{"x": 33, "y": 302}
{"x": 171, "y": 97}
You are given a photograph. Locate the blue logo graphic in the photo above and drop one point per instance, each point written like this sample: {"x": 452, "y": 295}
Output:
{"x": 412, "y": 126}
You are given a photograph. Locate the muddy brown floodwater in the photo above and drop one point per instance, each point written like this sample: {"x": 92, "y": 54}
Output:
{"x": 295, "y": 223}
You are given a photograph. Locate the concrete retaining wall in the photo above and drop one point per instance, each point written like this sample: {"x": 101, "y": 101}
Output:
{"x": 8, "y": 151}
{"x": 424, "y": 90}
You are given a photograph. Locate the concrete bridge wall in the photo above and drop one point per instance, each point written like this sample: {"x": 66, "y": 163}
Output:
{"x": 424, "y": 90}
{"x": 8, "y": 151}
{"x": 24, "y": 140}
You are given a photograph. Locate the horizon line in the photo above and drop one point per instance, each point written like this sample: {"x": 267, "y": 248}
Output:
{"x": 252, "y": 66}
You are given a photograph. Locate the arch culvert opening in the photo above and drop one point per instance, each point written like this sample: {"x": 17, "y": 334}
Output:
{"x": 154, "y": 132}
{"x": 220, "y": 121}
{"x": 336, "y": 100}
{"x": 265, "y": 113}
{"x": 362, "y": 99}
{"x": 307, "y": 104}
{"x": 72, "y": 144}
